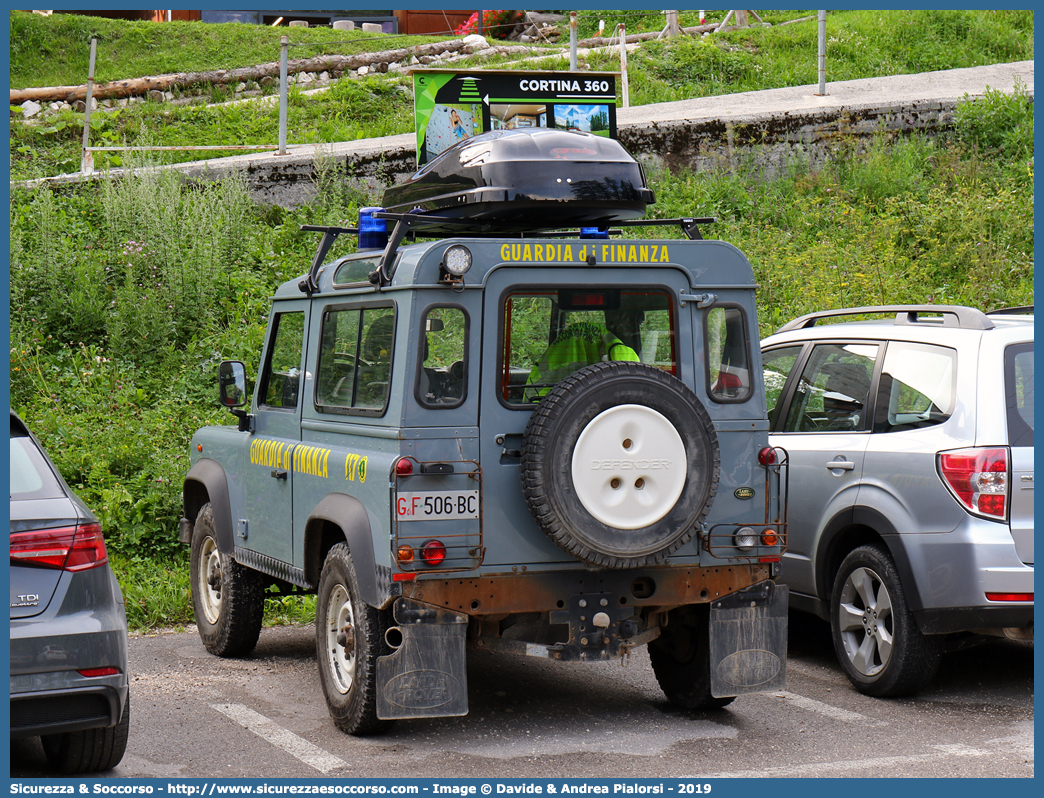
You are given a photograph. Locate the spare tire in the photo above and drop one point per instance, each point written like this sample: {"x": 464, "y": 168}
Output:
{"x": 620, "y": 464}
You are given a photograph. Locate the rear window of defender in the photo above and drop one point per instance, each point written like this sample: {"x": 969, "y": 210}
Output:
{"x": 547, "y": 334}
{"x": 728, "y": 353}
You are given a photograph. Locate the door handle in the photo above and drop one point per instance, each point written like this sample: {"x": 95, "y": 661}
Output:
{"x": 842, "y": 465}
{"x": 279, "y": 473}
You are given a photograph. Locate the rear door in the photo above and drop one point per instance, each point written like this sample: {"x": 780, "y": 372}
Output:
{"x": 527, "y": 311}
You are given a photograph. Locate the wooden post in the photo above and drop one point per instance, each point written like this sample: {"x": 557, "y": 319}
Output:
{"x": 673, "y": 28}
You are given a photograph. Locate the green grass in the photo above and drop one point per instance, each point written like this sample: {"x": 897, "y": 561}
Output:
{"x": 156, "y": 593}
{"x": 54, "y": 51}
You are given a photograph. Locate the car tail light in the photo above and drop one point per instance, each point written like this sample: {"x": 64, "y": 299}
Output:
{"x": 75, "y": 548}
{"x": 769, "y": 537}
{"x": 92, "y": 672}
{"x": 433, "y": 552}
{"x": 404, "y": 553}
{"x": 404, "y": 467}
{"x": 978, "y": 479}
{"x": 768, "y": 456}
{"x": 1009, "y": 596}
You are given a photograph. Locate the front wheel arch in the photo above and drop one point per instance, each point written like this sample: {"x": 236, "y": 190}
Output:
{"x": 206, "y": 482}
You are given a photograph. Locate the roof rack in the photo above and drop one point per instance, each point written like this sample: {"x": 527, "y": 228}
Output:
{"x": 310, "y": 284}
{"x": 414, "y": 224}
{"x": 951, "y": 316}
{"x": 1020, "y": 310}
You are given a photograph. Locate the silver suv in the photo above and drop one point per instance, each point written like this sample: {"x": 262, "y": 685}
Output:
{"x": 910, "y": 440}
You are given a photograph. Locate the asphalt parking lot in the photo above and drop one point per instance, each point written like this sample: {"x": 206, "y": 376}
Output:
{"x": 197, "y": 716}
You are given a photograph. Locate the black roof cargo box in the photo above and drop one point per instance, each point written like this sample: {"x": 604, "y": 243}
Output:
{"x": 529, "y": 179}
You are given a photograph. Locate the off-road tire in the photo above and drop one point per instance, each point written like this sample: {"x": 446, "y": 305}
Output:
{"x": 872, "y": 665}
{"x": 89, "y": 750}
{"x": 349, "y": 679}
{"x": 228, "y": 609}
{"x": 680, "y": 659}
{"x": 551, "y": 439}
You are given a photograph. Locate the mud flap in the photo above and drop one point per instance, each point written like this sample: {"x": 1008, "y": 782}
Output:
{"x": 748, "y": 641}
{"x": 425, "y": 677}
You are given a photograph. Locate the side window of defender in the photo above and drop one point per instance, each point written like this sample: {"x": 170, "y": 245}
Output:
{"x": 282, "y": 379}
{"x": 548, "y": 334}
{"x": 442, "y": 378}
{"x": 728, "y": 354}
{"x": 355, "y": 356}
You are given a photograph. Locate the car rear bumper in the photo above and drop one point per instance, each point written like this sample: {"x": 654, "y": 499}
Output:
{"x": 963, "y": 619}
{"x": 58, "y": 711}
{"x": 955, "y": 571}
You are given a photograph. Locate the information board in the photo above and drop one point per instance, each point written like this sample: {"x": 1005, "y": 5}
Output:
{"x": 451, "y": 105}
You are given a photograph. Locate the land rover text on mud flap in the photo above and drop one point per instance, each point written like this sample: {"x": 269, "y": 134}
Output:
{"x": 508, "y": 434}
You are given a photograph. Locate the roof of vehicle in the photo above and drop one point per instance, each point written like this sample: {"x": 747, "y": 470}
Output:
{"x": 904, "y": 321}
{"x": 417, "y": 265}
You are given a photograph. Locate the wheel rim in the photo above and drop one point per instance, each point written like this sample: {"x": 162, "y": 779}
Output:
{"x": 209, "y": 580}
{"x": 865, "y": 621}
{"x": 629, "y": 467}
{"x": 340, "y": 654}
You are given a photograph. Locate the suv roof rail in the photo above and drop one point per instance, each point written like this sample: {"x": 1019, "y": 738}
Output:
{"x": 1019, "y": 310}
{"x": 952, "y": 316}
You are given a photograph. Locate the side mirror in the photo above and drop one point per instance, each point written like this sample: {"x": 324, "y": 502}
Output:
{"x": 232, "y": 383}
{"x": 233, "y": 392}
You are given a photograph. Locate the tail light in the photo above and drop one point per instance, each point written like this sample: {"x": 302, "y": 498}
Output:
{"x": 1009, "y": 596}
{"x": 979, "y": 479}
{"x": 75, "y": 548}
{"x": 767, "y": 456}
{"x": 404, "y": 467}
{"x": 91, "y": 673}
{"x": 433, "y": 552}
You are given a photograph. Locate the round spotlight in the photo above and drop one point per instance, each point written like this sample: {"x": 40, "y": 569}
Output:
{"x": 456, "y": 260}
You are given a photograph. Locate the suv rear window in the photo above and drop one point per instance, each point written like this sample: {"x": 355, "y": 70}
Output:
{"x": 1018, "y": 389}
{"x": 548, "y": 334}
{"x": 918, "y": 386}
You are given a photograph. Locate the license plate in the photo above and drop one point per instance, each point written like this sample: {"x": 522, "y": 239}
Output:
{"x": 443, "y": 505}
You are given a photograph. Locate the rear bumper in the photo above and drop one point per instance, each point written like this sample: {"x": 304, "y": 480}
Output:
{"x": 954, "y": 571}
{"x": 58, "y": 711}
{"x": 965, "y": 619}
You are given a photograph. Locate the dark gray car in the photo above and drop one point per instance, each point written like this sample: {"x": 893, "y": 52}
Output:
{"x": 68, "y": 625}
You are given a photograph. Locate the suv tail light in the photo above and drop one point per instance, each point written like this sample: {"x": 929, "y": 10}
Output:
{"x": 74, "y": 548}
{"x": 979, "y": 479}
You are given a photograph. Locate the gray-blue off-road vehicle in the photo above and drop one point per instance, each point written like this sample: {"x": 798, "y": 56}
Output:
{"x": 528, "y": 431}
